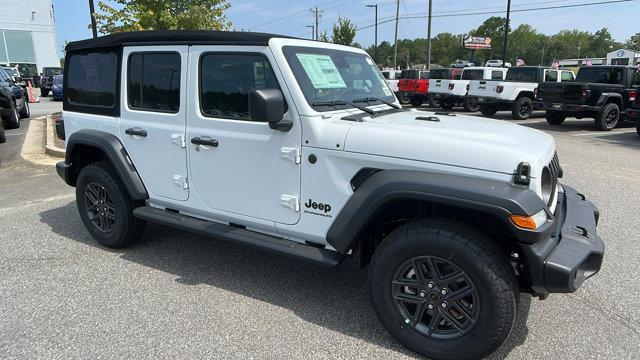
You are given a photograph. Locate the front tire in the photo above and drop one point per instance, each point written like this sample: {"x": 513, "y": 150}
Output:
{"x": 638, "y": 127}
{"x": 522, "y": 108}
{"x": 105, "y": 207}
{"x": 13, "y": 120}
{"x": 607, "y": 119}
{"x": 404, "y": 100}
{"x": 416, "y": 102}
{"x": 446, "y": 104}
{"x": 3, "y": 137}
{"x": 25, "y": 112}
{"x": 470, "y": 106}
{"x": 555, "y": 117}
{"x": 443, "y": 289}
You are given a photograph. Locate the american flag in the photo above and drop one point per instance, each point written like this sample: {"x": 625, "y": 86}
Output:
{"x": 519, "y": 62}
{"x": 555, "y": 64}
{"x": 588, "y": 63}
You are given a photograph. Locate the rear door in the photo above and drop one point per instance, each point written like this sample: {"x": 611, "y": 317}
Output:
{"x": 153, "y": 117}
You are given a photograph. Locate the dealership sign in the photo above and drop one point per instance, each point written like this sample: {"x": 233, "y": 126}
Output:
{"x": 477, "y": 42}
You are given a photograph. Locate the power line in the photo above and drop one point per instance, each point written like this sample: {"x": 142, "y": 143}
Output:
{"x": 499, "y": 12}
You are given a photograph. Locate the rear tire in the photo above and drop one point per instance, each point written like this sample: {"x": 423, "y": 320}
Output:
{"x": 469, "y": 105}
{"x": 105, "y": 207}
{"x": 44, "y": 93}
{"x": 404, "y": 100}
{"x": 433, "y": 102}
{"x": 555, "y": 117}
{"x": 488, "y": 110}
{"x": 401, "y": 281}
{"x": 522, "y": 108}
{"x": 13, "y": 120}
{"x": 607, "y": 119}
{"x": 25, "y": 112}
{"x": 3, "y": 137}
{"x": 638, "y": 127}
{"x": 446, "y": 104}
{"x": 416, "y": 102}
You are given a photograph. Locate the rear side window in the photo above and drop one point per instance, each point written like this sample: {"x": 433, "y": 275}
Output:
{"x": 522, "y": 74}
{"x": 551, "y": 76}
{"x": 566, "y": 76}
{"x": 636, "y": 77}
{"x": 92, "y": 79}
{"x": 153, "y": 82}
{"x": 227, "y": 79}
{"x": 497, "y": 75}
{"x": 472, "y": 74}
{"x": 600, "y": 75}
{"x": 440, "y": 74}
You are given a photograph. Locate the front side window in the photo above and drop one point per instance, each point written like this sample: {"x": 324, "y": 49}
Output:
{"x": 92, "y": 79}
{"x": 328, "y": 75}
{"x": 153, "y": 82}
{"x": 551, "y": 75}
{"x": 566, "y": 76}
{"x": 227, "y": 79}
{"x": 472, "y": 74}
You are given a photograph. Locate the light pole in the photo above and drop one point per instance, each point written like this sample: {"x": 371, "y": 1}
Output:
{"x": 395, "y": 50}
{"x": 375, "y": 46}
{"x": 429, "y": 38}
{"x": 312, "y": 31}
{"x": 506, "y": 33}
{"x": 93, "y": 19}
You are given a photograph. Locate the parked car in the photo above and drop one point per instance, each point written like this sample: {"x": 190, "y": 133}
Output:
{"x": 497, "y": 63}
{"x": 634, "y": 112}
{"x": 392, "y": 76}
{"x": 599, "y": 92}
{"x": 461, "y": 64}
{"x": 413, "y": 87}
{"x": 441, "y": 74}
{"x": 450, "y": 93}
{"x": 15, "y": 75}
{"x": 14, "y": 103}
{"x": 57, "y": 87}
{"x": 47, "y": 79}
{"x": 516, "y": 92}
{"x": 451, "y": 226}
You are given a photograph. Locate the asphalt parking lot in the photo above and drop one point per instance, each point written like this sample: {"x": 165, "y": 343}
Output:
{"x": 177, "y": 295}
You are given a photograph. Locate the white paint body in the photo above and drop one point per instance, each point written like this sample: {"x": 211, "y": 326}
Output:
{"x": 392, "y": 76}
{"x": 510, "y": 89}
{"x": 459, "y": 87}
{"x": 243, "y": 179}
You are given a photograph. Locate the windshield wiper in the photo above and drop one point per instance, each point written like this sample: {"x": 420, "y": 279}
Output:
{"x": 335, "y": 104}
{"x": 370, "y": 99}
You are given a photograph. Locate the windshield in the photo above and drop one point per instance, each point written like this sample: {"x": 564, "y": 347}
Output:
{"x": 57, "y": 80}
{"x": 328, "y": 75}
{"x": 52, "y": 71}
{"x": 472, "y": 74}
{"x": 600, "y": 75}
{"x": 12, "y": 71}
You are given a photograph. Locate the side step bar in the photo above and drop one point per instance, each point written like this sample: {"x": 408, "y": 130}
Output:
{"x": 238, "y": 235}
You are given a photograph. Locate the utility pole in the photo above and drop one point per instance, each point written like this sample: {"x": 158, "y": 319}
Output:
{"x": 429, "y": 38}
{"x": 506, "y": 34}
{"x": 93, "y": 19}
{"x": 317, "y": 14}
{"x": 395, "y": 51}
{"x": 375, "y": 48}
{"x": 312, "y": 31}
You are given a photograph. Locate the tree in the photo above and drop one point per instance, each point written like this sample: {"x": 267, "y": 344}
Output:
{"x": 493, "y": 27}
{"x": 324, "y": 37}
{"x": 344, "y": 31}
{"x": 133, "y": 15}
{"x": 633, "y": 43}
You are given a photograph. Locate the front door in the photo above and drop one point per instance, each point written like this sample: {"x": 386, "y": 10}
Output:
{"x": 153, "y": 117}
{"x": 238, "y": 165}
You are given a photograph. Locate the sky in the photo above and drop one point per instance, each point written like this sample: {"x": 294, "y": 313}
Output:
{"x": 291, "y": 17}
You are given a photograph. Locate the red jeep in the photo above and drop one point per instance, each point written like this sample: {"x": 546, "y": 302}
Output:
{"x": 413, "y": 87}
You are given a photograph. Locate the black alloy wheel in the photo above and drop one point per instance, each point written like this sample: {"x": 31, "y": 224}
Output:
{"x": 435, "y": 297}
{"x": 99, "y": 207}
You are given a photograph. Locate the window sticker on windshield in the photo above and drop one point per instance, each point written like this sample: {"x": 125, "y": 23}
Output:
{"x": 322, "y": 72}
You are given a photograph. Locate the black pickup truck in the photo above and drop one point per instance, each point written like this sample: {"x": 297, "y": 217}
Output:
{"x": 633, "y": 113}
{"x": 599, "y": 92}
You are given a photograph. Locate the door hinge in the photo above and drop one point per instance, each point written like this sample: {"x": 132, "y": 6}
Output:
{"x": 290, "y": 202}
{"x": 291, "y": 154}
{"x": 180, "y": 181}
{"x": 178, "y": 139}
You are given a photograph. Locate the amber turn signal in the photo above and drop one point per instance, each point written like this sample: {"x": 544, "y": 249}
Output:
{"x": 523, "y": 222}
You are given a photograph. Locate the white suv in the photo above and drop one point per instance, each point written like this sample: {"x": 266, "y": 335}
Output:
{"x": 300, "y": 148}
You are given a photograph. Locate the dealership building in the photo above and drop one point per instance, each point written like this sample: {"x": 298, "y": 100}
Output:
{"x": 28, "y": 36}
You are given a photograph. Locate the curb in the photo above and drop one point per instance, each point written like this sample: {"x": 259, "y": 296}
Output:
{"x": 50, "y": 148}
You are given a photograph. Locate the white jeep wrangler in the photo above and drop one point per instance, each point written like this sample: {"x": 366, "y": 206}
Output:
{"x": 300, "y": 148}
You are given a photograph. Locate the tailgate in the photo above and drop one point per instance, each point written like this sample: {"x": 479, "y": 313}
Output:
{"x": 567, "y": 92}
{"x": 438, "y": 86}
{"x": 483, "y": 88}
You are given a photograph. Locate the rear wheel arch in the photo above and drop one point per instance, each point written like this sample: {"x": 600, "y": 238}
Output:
{"x": 527, "y": 94}
{"x": 85, "y": 147}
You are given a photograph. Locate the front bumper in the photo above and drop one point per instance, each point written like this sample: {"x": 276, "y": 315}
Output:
{"x": 571, "y": 253}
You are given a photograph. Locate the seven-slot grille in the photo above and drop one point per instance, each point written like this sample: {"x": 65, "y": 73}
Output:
{"x": 556, "y": 172}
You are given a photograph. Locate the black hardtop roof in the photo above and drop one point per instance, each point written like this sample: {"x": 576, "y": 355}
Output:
{"x": 174, "y": 37}
{"x": 530, "y": 67}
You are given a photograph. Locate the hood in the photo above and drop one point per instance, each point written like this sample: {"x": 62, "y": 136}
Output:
{"x": 463, "y": 141}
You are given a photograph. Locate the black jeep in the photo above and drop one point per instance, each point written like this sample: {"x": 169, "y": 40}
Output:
{"x": 600, "y": 92}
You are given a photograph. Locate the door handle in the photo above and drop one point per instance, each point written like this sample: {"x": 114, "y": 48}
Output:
{"x": 136, "y": 132}
{"x": 205, "y": 142}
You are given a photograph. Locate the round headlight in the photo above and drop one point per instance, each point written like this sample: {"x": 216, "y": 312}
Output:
{"x": 548, "y": 184}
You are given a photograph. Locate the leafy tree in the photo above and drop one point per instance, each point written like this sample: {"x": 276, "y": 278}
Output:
{"x": 324, "y": 37}
{"x": 344, "y": 31}
{"x": 633, "y": 43}
{"x": 132, "y": 15}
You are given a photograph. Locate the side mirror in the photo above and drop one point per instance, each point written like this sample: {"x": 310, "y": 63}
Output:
{"x": 267, "y": 105}
{"x": 18, "y": 79}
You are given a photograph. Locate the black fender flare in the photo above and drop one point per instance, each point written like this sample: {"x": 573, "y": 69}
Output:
{"x": 111, "y": 146}
{"x": 604, "y": 99}
{"x": 485, "y": 195}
